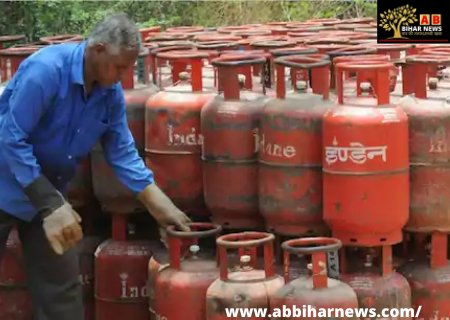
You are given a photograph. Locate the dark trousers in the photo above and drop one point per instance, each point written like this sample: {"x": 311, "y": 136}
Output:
{"x": 53, "y": 280}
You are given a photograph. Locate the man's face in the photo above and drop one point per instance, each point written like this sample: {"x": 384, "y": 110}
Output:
{"x": 111, "y": 66}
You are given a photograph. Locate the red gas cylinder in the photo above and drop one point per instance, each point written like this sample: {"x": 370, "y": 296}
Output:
{"x": 290, "y": 152}
{"x": 437, "y": 71}
{"x": 231, "y": 29}
{"x": 365, "y": 163}
{"x": 80, "y": 192}
{"x": 215, "y": 37}
{"x": 393, "y": 73}
{"x": 184, "y": 29}
{"x": 121, "y": 276}
{"x": 109, "y": 191}
{"x": 65, "y": 38}
{"x": 87, "y": 248}
{"x": 325, "y": 21}
{"x": 298, "y": 74}
{"x": 15, "y": 56}
{"x": 429, "y": 278}
{"x": 184, "y": 283}
{"x": 376, "y": 284}
{"x": 343, "y": 51}
{"x": 3, "y": 62}
{"x": 173, "y": 139}
{"x": 393, "y": 50}
{"x": 253, "y": 74}
{"x": 230, "y": 168}
{"x": 147, "y": 32}
{"x": 429, "y": 148}
{"x": 268, "y": 68}
{"x": 159, "y": 76}
{"x": 317, "y": 290}
{"x": 15, "y": 302}
{"x": 160, "y": 261}
{"x": 246, "y": 287}
{"x": 11, "y": 39}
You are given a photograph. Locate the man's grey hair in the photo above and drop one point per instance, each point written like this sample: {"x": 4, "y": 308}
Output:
{"x": 117, "y": 31}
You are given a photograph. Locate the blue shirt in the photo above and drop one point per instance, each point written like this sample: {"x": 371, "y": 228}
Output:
{"x": 47, "y": 126}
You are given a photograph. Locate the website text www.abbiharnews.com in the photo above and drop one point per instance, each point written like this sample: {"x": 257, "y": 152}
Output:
{"x": 312, "y": 312}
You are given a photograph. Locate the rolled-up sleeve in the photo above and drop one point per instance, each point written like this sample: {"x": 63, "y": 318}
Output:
{"x": 120, "y": 151}
{"x": 32, "y": 92}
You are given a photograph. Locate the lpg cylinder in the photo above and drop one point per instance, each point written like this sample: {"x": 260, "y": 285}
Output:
{"x": 4, "y": 40}
{"x": 159, "y": 67}
{"x": 15, "y": 301}
{"x": 109, "y": 191}
{"x": 64, "y": 38}
{"x": 298, "y": 74}
{"x": 87, "y": 247}
{"x": 160, "y": 260}
{"x": 365, "y": 162}
{"x": 230, "y": 149}
{"x": 317, "y": 290}
{"x": 344, "y": 51}
{"x": 253, "y": 75}
{"x": 121, "y": 276}
{"x": 247, "y": 287}
{"x": 441, "y": 72}
{"x": 172, "y": 134}
{"x": 290, "y": 152}
{"x": 11, "y": 58}
{"x": 429, "y": 278}
{"x": 366, "y": 77}
{"x": 268, "y": 68}
{"x": 429, "y": 151}
{"x": 184, "y": 283}
{"x": 437, "y": 90}
{"x": 376, "y": 284}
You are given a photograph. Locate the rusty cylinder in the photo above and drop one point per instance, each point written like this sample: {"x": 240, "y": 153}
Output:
{"x": 290, "y": 152}
{"x": 247, "y": 286}
{"x": 318, "y": 290}
{"x": 87, "y": 247}
{"x": 267, "y": 45}
{"x": 429, "y": 277}
{"x": 15, "y": 301}
{"x": 13, "y": 57}
{"x": 375, "y": 282}
{"x": 229, "y": 126}
{"x": 429, "y": 132}
{"x": 121, "y": 275}
{"x": 172, "y": 133}
{"x": 343, "y": 51}
{"x": 365, "y": 162}
{"x": 183, "y": 283}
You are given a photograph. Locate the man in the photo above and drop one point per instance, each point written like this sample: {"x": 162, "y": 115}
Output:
{"x": 58, "y": 104}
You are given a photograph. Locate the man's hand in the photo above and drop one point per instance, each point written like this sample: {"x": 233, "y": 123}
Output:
{"x": 62, "y": 228}
{"x": 163, "y": 209}
{"x": 174, "y": 217}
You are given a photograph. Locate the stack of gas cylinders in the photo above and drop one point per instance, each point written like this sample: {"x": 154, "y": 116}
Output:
{"x": 305, "y": 154}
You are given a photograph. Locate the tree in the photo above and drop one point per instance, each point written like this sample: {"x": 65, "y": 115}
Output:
{"x": 393, "y": 20}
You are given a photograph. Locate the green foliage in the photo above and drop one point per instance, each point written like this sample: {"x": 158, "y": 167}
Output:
{"x": 54, "y": 17}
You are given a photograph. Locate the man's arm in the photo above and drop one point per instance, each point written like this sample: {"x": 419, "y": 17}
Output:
{"x": 130, "y": 169}
{"x": 121, "y": 154}
{"x": 35, "y": 87}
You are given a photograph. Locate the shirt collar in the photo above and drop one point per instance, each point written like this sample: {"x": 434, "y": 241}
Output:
{"x": 77, "y": 70}
{"x": 78, "y": 64}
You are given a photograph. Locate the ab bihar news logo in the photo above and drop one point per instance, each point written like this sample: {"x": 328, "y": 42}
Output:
{"x": 405, "y": 24}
